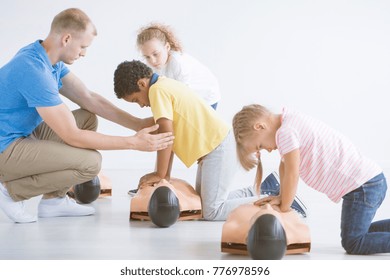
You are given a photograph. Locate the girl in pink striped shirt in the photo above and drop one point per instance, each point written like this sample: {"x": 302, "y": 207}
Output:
{"x": 326, "y": 161}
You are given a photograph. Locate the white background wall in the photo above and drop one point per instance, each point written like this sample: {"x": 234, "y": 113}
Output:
{"x": 330, "y": 59}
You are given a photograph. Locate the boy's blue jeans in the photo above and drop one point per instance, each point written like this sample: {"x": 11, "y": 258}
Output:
{"x": 358, "y": 234}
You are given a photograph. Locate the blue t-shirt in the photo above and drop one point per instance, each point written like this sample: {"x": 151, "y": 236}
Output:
{"x": 26, "y": 82}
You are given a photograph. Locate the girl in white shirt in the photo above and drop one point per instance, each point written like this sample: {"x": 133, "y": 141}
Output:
{"x": 163, "y": 52}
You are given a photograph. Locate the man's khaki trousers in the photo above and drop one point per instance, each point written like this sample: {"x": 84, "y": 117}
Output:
{"x": 43, "y": 164}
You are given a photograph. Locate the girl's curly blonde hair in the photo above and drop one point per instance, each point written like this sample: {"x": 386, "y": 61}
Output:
{"x": 164, "y": 33}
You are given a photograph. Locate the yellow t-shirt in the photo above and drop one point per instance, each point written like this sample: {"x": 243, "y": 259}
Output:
{"x": 197, "y": 128}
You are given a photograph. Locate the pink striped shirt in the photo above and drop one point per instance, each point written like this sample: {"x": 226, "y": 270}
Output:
{"x": 330, "y": 163}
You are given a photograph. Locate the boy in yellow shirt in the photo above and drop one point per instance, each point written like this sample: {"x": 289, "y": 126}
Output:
{"x": 200, "y": 136}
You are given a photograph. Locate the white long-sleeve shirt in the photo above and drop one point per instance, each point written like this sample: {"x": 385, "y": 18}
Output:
{"x": 185, "y": 68}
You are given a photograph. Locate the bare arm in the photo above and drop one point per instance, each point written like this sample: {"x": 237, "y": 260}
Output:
{"x": 75, "y": 90}
{"x": 164, "y": 159}
{"x": 289, "y": 176}
{"x": 61, "y": 120}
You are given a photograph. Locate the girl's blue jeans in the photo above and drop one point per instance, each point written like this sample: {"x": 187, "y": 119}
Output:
{"x": 359, "y": 235}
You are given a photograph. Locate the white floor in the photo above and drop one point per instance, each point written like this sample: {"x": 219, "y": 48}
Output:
{"x": 108, "y": 235}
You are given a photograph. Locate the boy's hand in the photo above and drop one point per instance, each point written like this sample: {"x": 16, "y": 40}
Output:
{"x": 144, "y": 141}
{"x": 149, "y": 180}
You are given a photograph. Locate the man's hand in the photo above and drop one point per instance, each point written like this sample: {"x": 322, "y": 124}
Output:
{"x": 144, "y": 141}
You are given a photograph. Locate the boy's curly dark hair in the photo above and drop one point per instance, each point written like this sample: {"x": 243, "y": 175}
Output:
{"x": 127, "y": 75}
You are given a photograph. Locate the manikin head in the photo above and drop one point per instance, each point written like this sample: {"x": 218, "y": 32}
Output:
{"x": 164, "y": 208}
{"x": 266, "y": 238}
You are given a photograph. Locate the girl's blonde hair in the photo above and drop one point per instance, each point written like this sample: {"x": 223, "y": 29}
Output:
{"x": 161, "y": 32}
{"x": 243, "y": 123}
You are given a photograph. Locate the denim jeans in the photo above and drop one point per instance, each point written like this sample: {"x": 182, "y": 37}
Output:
{"x": 359, "y": 235}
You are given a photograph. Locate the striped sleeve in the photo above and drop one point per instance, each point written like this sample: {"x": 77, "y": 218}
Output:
{"x": 287, "y": 140}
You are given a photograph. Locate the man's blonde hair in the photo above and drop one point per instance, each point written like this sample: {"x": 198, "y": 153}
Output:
{"x": 72, "y": 19}
{"x": 243, "y": 126}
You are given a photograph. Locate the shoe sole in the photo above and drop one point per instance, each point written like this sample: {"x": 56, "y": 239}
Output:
{"x": 132, "y": 192}
{"x": 301, "y": 205}
{"x": 63, "y": 215}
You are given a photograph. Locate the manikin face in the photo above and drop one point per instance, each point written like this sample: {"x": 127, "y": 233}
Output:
{"x": 262, "y": 138}
{"x": 141, "y": 97}
{"x": 75, "y": 44}
{"x": 155, "y": 52}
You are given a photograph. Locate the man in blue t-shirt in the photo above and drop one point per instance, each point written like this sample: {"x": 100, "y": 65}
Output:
{"x": 44, "y": 147}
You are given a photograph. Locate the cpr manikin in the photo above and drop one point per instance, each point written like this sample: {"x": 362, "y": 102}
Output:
{"x": 264, "y": 233}
{"x": 166, "y": 202}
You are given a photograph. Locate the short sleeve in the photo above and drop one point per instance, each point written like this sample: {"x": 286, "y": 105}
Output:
{"x": 39, "y": 87}
{"x": 161, "y": 103}
{"x": 287, "y": 140}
